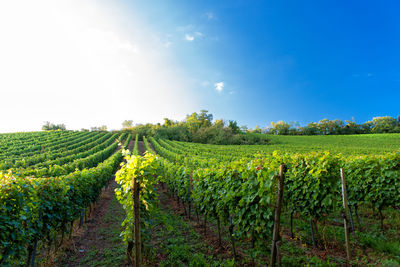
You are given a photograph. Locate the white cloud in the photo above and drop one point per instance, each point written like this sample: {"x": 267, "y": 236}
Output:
{"x": 192, "y": 37}
{"x": 69, "y": 61}
{"x": 189, "y": 37}
{"x": 219, "y": 86}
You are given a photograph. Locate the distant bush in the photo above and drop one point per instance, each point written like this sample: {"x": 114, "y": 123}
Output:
{"x": 200, "y": 129}
{"x": 50, "y": 126}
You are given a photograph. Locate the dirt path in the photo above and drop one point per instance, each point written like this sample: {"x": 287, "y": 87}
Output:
{"x": 98, "y": 241}
{"x": 131, "y": 145}
{"x": 141, "y": 147}
{"x": 175, "y": 240}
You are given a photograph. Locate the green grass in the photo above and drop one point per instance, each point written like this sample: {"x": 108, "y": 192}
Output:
{"x": 179, "y": 243}
{"x": 345, "y": 144}
{"x": 115, "y": 253}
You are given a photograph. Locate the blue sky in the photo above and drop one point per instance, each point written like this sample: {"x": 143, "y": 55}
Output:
{"x": 285, "y": 60}
{"x": 89, "y": 63}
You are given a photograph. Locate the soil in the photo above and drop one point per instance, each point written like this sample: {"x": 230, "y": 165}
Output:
{"x": 88, "y": 242}
{"x": 208, "y": 236}
{"x": 141, "y": 147}
{"x": 89, "y": 237}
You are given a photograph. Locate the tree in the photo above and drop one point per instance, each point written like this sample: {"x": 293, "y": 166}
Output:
{"x": 383, "y": 124}
{"x": 50, "y": 126}
{"x": 205, "y": 118}
{"x": 244, "y": 128}
{"x": 366, "y": 127}
{"x": 280, "y": 127}
{"x": 257, "y": 129}
{"x": 351, "y": 127}
{"x": 46, "y": 126}
{"x": 99, "y": 129}
{"x": 234, "y": 126}
{"x": 127, "y": 124}
{"x": 311, "y": 129}
{"x": 168, "y": 122}
{"x": 219, "y": 123}
{"x": 196, "y": 121}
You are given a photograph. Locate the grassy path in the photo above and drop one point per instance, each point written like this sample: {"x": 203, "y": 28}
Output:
{"x": 100, "y": 244}
{"x": 173, "y": 242}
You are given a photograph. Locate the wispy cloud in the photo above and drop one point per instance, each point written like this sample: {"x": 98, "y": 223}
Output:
{"x": 189, "y": 37}
{"x": 219, "y": 86}
{"x": 209, "y": 15}
{"x": 192, "y": 36}
{"x": 185, "y": 28}
{"x": 167, "y": 44}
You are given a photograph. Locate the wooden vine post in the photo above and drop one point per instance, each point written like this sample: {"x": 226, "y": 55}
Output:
{"x": 346, "y": 214}
{"x": 277, "y": 221}
{"x": 136, "y": 217}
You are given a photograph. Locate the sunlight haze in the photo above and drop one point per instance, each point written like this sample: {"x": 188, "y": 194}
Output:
{"x": 70, "y": 62}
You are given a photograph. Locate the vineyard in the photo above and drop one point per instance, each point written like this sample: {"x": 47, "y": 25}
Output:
{"x": 236, "y": 187}
{"x": 320, "y": 200}
{"x": 52, "y": 179}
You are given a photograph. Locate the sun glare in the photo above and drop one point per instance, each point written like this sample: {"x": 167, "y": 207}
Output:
{"x": 69, "y": 62}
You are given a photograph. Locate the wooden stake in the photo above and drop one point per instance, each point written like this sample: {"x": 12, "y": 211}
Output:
{"x": 205, "y": 224}
{"x": 291, "y": 225}
{"x": 71, "y": 229}
{"x": 219, "y": 231}
{"x": 232, "y": 237}
{"x": 312, "y": 233}
{"x": 136, "y": 217}
{"x": 277, "y": 221}
{"x": 345, "y": 215}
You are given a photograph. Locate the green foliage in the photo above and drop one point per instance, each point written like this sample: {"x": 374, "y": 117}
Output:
{"x": 241, "y": 189}
{"x": 50, "y": 126}
{"x": 232, "y": 181}
{"x": 143, "y": 169}
{"x": 312, "y": 183}
{"x": 385, "y": 124}
{"x": 127, "y": 124}
{"x": 198, "y": 127}
{"x": 34, "y": 208}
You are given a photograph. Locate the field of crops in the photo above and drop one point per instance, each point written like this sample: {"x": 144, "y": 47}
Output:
{"x": 363, "y": 144}
{"x": 236, "y": 187}
{"x": 49, "y": 179}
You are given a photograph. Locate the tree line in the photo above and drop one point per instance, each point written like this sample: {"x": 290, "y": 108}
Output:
{"x": 384, "y": 124}
{"x": 197, "y": 127}
{"x": 200, "y": 128}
